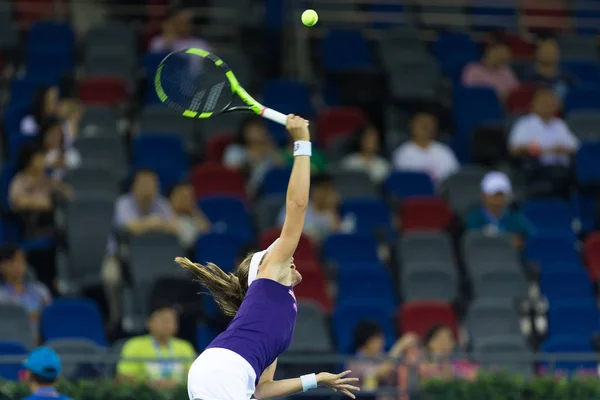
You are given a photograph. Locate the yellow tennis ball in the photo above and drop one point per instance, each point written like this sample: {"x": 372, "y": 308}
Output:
{"x": 310, "y": 17}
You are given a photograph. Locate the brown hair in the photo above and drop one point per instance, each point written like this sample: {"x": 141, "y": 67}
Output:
{"x": 227, "y": 289}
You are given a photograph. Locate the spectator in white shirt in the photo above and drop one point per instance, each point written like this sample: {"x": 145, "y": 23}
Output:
{"x": 423, "y": 152}
{"x": 365, "y": 155}
{"x": 45, "y": 105}
{"x": 541, "y": 135}
{"x": 176, "y": 34}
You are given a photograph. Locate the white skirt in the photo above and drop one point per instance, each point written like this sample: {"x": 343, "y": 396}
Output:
{"x": 220, "y": 374}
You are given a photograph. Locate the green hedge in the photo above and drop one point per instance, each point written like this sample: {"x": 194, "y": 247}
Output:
{"x": 489, "y": 387}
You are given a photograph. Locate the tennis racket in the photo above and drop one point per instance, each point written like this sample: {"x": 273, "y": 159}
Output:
{"x": 198, "y": 84}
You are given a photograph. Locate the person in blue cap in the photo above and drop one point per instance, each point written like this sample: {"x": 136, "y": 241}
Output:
{"x": 42, "y": 370}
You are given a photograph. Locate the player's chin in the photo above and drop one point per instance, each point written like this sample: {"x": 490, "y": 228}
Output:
{"x": 296, "y": 277}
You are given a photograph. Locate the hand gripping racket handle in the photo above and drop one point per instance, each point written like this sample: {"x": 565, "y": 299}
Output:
{"x": 274, "y": 116}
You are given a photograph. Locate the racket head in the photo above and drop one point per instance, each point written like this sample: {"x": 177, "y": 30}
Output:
{"x": 198, "y": 84}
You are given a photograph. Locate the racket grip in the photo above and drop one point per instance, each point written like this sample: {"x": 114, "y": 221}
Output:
{"x": 274, "y": 116}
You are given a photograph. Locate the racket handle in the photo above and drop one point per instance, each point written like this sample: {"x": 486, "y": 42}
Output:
{"x": 274, "y": 116}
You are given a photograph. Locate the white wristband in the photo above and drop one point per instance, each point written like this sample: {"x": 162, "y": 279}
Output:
{"x": 308, "y": 381}
{"x": 302, "y": 148}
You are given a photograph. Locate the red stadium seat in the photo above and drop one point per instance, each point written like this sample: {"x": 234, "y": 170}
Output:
{"x": 212, "y": 179}
{"x": 338, "y": 122}
{"x": 519, "y": 99}
{"x": 29, "y": 11}
{"x": 305, "y": 251}
{"x": 216, "y": 145}
{"x": 519, "y": 47}
{"x": 545, "y": 14}
{"x": 425, "y": 213}
{"x": 420, "y": 316}
{"x": 103, "y": 91}
{"x": 591, "y": 255}
{"x": 313, "y": 286}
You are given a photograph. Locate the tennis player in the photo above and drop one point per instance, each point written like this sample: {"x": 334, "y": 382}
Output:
{"x": 242, "y": 360}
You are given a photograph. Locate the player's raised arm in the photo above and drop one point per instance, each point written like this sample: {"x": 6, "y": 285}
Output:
{"x": 296, "y": 198}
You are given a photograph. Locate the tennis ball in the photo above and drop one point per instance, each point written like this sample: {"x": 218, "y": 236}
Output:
{"x": 310, "y": 17}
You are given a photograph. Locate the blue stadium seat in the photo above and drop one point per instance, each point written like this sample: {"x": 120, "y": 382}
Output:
{"x": 275, "y": 181}
{"x": 73, "y": 318}
{"x": 368, "y": 281}
{"x": 584, "y": 204}
{"x": 551, "y": 249}
{"x": 583, "y": 98}
{"x": 349, "y": 313}
{"x": 204, "y": 335}
{"x": 566, "y": 282}
{"x": 473, "y": 107}
{"x": 289, "y": 95}
{"x": 586, "y": 162}
{"x": 163, "y": 154}
{"x": 22, "y": 90}
{"x": 13, "y": 114}
{"x": 228, "y": 215}
{"x": 586, "y": 71}
{"x": 57, "y": 36}
{"x": 486, "y": 18}
{"x": 8, "y": 348}
{"x": 572, "y": 317}
{"x": 371, "y": 216}
{"x": 549, "y": 215}
{"x": 336, "y": 55}
{"x": 454, "y": 50}
{"x": 341, "y": 248}
{"x": 568, "y": 344}
{"x": 9, "y": 170}
{"x": 387, "y": 10}
{"x": 586, "y": 17}
{"x": 151, "y": 63}
{"x": 406, "y": 184}
{"x": 219, "y": 248}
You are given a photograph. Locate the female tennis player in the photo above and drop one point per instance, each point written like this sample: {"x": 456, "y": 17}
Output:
{"x": 242, "y": 360}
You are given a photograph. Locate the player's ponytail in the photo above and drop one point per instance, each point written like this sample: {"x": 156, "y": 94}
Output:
{"x": 227, "y": 289}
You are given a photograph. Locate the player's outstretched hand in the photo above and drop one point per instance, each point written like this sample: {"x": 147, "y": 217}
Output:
{"x": 338, "y": 382}
{"x": 297, "y": 127}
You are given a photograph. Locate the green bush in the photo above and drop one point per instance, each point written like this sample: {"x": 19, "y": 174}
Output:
{"x": 485, "y": 387}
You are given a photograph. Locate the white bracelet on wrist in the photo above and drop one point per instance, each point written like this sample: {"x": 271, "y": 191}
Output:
{"x": 309, "y": 382}
{"x": 302, "y": 148}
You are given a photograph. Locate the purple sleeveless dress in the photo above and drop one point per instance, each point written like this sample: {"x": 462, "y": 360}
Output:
{"x": 263, "y": 327}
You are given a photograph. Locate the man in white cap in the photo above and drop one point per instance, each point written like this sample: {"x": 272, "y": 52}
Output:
{"x": 494, "y": 216}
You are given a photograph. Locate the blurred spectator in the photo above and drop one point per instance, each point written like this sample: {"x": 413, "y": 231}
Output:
{"x": 158, "y": 345}
{"x": 322, "y": 216}
{"x": 423, "y": 153}
{"x": 369, "y": 344}
{"x": 365, "y": 155}
{"x": 494, "y": 216}
{"x": 191, "y": 221}
{"x": 45, "y": 104}
{"x": 492, "y": 70}
{"x": 318, "y": 160}
{"x": 31, "y": 193}
{"x": 547, "y": 69}
{"x": 140, "y": 211}
{"x": 541, "y": 135}
{"x": 43, "y": 368}
{"x": 409, "y": 370}
{"x": 176, "y": 33}
{"x": 15, "y": 287}
{"x": 253, "y": 152}
{"x": 58, "y": 158}
{"x": 440, "y": 346}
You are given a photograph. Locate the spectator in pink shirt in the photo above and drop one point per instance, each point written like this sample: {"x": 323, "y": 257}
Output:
{"x": 492, "y": 71}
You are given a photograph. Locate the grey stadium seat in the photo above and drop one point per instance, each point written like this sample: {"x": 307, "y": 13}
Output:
{"x": 478, "y": 248}
{"x": 103, "y": 149}
{"x": 267, "y": 210}
{"x": 353, "y": 184}
{"x": 102, "y": 119}
{"x": 585, "y": 124}
{"x": 577, "y": 47}
{"x": 241, "y": 66}
{"x": 220, "y": 124}
{"x": 425, "y": 247}
{"x": 9, "y": 35}
{"x": 414, "y": 80}
{"x": 94, "y": 178}
{"x": 115, "y": 66}
{"x": 506, "y": 352}
{"x": 86, "y": 247}
{"x": 113, "y": 51}
{"x": 429, "y": 281}
{"x": 112, "y": 34}
{"x": 15, "y": 325}
{"x": 492, "y": 316}
{"x": 451, "y": 16}
{"x": 462, "y": 189}
{"x": 74, "y": 347}
{"x": 311, "y": 334}
{"x": 160, "y": 119}
{"x": 497, "y": 280}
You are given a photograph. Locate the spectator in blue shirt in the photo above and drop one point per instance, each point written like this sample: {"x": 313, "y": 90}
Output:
{"x": 42, "y": 370}
{"x": 494, "y": 217}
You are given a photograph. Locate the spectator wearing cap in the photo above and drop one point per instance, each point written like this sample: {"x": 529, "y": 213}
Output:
{"x": 156, "y": 348}
{"x": 43, "y": 368}
{"x": 16, "y": 288}
{"x": 494, "y": 216}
